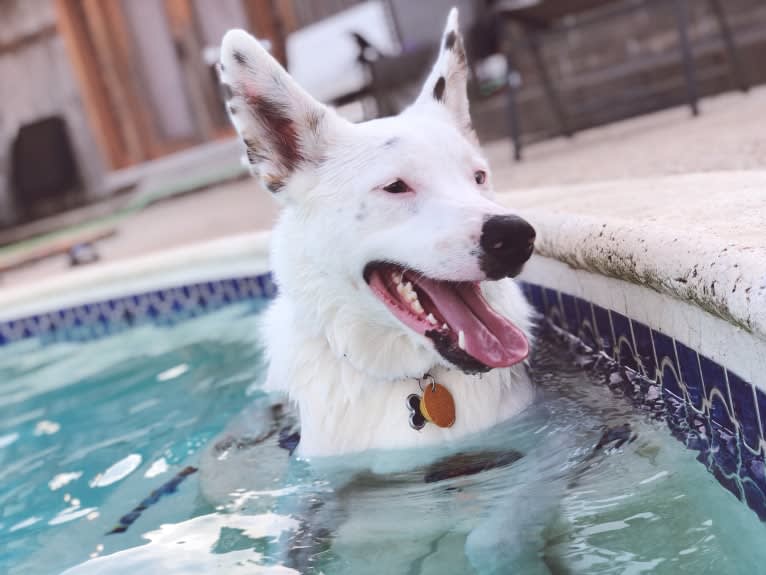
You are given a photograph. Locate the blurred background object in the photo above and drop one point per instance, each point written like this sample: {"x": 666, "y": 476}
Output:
{"x": 110, "y": 106}
{"x": 539, "y": 19}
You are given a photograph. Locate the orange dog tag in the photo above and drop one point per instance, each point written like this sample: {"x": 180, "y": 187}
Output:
{"x": 437, "y": 405}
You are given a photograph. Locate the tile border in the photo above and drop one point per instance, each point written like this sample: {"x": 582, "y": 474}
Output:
{"x": 707, "y": 406}
{"x": 159, "y": 306}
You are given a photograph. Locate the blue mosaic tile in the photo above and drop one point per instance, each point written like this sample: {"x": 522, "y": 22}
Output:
{"x": 571, "y": 315}
{"x": 728, "y": 480}
{"x": 526, "y": 289}
{"x": 720, "y": 410}
{"x": 673, "y": 397}
{"x": 553, "y": 308}
{"x": 162, "y": 307}
{"x": 623, "y": 346}
{"x": 689, "y": 370}
{"x": 621, "y": 328}
{"x": 644, "y": 348}
{"x": 667, "y": 368}
{"x": 713, "y": 375}
{"x": 536, "y": 298}
{"x": 586, "y": 331}
{"x": 664, "y": 349}
{"x": 719, "y": 414}
{"x": 753, "y": 474}
{"x": 743, "y": 404}
{"x": 700, "y": 435}
{"x": 267, "y": 287}
{"x": 760, "y": 402}
{"x": 603, "y": 326}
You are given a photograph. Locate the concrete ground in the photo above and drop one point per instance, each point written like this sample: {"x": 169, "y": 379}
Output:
{"x": 729, "y": 135}
{"x": 227, "y": 209}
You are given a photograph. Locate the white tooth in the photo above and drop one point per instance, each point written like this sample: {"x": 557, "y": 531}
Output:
{"x": 431, "y": 319}
{"x": 445, "y": 326}
{"x": 461, "y": 339}
{"x": 417, "y": 307}
{"x": 400, "y": 289}
{"x": 397, "y": 278}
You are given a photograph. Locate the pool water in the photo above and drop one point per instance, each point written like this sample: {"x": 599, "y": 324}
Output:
{"x": 89, "y": 430}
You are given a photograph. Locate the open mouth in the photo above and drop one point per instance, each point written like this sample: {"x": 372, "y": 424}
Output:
{"x": 454, "y": 315}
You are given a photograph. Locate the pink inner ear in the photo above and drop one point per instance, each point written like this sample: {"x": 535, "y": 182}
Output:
{"x": 276, "y": 133}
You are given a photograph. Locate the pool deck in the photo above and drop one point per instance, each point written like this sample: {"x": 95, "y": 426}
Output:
{"x": 647, "y": 172}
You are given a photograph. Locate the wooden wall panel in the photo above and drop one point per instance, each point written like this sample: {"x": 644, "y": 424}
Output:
{"x": 117, "y": 86}
{"x": 123, "y": 51}
{"x": 74, "y": 31}
{"x": 197, "y": 82}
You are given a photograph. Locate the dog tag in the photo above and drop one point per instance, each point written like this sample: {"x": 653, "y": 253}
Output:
{"x": 437, "y": 405}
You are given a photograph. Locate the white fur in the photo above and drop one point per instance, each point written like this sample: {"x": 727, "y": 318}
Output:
{"x": 338, "y": 352}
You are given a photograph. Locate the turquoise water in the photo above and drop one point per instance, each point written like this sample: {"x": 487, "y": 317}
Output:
{"x": 89, "y": 430}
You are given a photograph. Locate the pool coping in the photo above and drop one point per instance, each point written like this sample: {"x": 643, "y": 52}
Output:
{"x": 680, "y": 235}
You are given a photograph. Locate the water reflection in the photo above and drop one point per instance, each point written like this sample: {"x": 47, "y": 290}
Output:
{"x": 200, "y": 545}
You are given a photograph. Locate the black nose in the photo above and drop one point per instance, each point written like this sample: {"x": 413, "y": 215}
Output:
{"x": 507, "y": 242}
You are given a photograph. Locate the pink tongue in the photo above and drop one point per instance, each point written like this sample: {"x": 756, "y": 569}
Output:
{"x": 488, "y": 336}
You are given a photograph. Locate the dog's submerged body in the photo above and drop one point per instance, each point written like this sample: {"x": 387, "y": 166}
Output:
{"x": 390, "y": 256}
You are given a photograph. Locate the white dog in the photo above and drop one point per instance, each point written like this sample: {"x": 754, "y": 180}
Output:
{"x": 393, "y": 265}
{"x": 391, "y": 258}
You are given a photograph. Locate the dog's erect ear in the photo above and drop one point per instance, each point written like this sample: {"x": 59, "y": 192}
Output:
{"x": 448, "y": 81}
{"x": 283, "y": 128}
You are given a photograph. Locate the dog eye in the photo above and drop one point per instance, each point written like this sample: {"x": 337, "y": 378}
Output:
{"x": 397, "y": 187}
{"x": 480, "y": 176}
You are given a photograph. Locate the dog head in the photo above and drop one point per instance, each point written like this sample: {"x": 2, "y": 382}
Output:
{"x": 388, "y": 227}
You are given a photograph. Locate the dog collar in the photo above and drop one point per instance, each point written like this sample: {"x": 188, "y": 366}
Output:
{"x": 436, "y": 405}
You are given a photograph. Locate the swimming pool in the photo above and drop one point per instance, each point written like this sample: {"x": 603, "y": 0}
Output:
{"x": 96, "y": 417}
